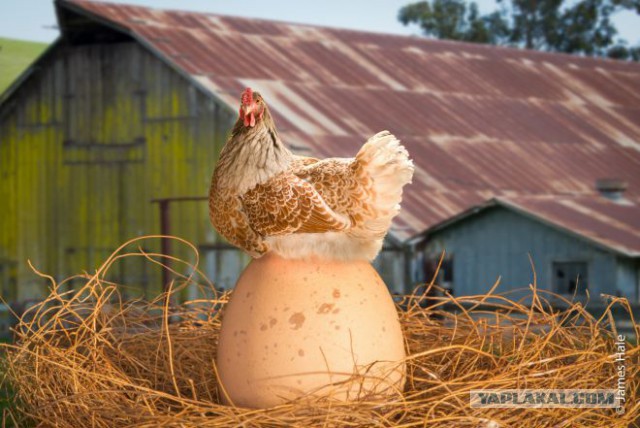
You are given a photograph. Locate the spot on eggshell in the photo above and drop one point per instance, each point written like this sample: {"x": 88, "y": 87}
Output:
{"x": 336, "y": 293}
{"x": 297, "y": 320}
{"x": 337, "y": 327}
{"x": 335, "y": 311}
{"x": 325, "y": 308}
{"x": 272, "y": 322}
{"x": 301, "y": 352}
{"x": 263, "y": 327}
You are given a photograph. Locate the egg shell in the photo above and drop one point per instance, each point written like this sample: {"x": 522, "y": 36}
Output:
{"x": 297, "y": 328}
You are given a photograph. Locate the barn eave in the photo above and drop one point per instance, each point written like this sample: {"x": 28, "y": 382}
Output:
{"x": 511, "y": 206}
{"x": 62, "y": 5}
{"x": 604, "y": 245}
{"x": 26, "y": 74}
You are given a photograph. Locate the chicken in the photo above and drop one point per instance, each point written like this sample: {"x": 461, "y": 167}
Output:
{"x": 264, "y": 198}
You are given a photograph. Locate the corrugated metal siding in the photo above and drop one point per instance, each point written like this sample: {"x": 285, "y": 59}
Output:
{"x": 114, "y": 127}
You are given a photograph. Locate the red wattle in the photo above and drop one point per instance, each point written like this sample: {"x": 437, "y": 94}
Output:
{"x": 249, "y": 119}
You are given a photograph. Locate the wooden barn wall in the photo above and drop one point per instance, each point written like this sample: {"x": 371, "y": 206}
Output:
{"x": 498, "y": 242}
{"x": 85, "y": 144}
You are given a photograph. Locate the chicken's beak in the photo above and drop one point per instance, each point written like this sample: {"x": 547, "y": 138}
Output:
{"x": 248, "y": 114}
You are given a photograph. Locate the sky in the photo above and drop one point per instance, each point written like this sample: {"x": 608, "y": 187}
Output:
{"x": 36, "y": 20}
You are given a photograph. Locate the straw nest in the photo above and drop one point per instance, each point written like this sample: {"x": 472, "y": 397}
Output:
{"x": 86, "y": 358}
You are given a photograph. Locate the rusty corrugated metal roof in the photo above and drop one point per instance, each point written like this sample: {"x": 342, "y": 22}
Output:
{"x": 479, "y": 121}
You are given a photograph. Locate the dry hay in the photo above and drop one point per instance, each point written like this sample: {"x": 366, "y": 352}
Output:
{"x": 86, "y": 358}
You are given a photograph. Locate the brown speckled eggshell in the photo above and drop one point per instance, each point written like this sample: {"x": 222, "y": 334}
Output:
{"x": 295, "y": 327}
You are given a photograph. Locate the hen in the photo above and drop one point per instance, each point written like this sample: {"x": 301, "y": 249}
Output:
{"x": 264, "y": 198}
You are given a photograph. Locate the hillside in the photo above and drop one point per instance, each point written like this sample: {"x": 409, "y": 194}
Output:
{"x": 15, "y": 56}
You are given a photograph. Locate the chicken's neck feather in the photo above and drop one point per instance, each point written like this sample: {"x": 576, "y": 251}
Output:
{"x": 252, "y": 156}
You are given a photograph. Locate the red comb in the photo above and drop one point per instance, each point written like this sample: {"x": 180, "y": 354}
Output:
{"x": 247, "y": 96}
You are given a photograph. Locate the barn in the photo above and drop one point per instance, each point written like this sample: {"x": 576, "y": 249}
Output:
{"x": 114, "y": 131}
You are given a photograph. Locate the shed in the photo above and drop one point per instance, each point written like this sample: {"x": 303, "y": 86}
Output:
{"x": 133, "y": 104}
{"x": 568, "y": 245}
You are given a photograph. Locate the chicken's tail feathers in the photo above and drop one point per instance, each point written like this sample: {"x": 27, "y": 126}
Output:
{"x": 386, "y": 163}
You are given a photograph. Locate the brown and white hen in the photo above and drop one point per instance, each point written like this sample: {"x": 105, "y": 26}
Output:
{"x": 264, "y": 198}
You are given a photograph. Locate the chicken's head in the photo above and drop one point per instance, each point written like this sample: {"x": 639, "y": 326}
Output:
{"x": 252, "y": 107}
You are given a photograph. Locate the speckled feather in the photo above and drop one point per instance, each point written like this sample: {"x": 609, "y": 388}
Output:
{"x": 287, "y": 204}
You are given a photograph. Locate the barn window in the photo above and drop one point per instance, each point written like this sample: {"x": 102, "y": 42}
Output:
{"x": 571, "y": 277}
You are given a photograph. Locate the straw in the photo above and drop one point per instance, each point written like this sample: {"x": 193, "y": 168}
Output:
{"x": 87, "y": 358}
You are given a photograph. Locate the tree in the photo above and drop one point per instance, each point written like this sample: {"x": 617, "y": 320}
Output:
{"x": 453, "y": 20}
{"x": 534, "y": 23}
{"x": 582, "y": 27}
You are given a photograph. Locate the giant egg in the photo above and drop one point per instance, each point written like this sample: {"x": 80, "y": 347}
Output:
{"x": 309, "y": 328}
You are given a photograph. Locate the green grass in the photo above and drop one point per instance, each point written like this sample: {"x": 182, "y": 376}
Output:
{"x": 15, "y": 57}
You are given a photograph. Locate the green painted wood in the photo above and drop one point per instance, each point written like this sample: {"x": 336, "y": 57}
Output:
{"x": 86, "y": 143}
